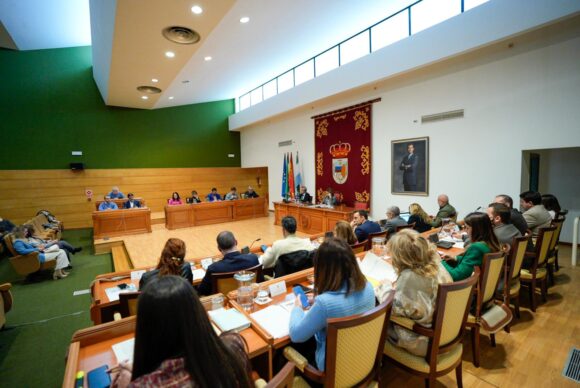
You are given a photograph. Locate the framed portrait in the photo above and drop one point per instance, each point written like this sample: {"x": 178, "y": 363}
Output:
{"x": 410, "y": 166}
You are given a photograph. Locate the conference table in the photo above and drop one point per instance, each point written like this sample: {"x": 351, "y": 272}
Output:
{"x": 111, "y": 223}
{"x": 91, "y": 348}
{"x": 205, "y": 213}
{"x": 312, "y": 218}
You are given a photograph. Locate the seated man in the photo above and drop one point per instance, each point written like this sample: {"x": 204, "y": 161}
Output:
{"x": 535, "y": 213}
{"x": 251, "y": 193}
{"x": 516, "y": 218}
{"x": 304, "y": 197}
{"x": 233, "y": 194}
{"x": 194, "y": 198}
{"x": 233, "y": 260}
{"x": 499, "y": 214}
{"x": 394, "y": 219}
{"x": 362, "y": 226}
{"x": 213, "y": 196}
{"x": 115, "y": 193}
{"x": 108, "y": 204}
{"x": 132, "y": 202}
{"x": 291, "y": 243}
{"x": 445, "y": 211}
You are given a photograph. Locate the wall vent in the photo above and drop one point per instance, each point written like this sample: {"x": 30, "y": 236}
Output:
{"x": 285, "y": 143}
{"x": 452, "y": 114}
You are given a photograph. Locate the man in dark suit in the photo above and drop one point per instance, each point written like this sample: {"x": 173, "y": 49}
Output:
{"x": 362, "y": 226}
{"x": 409, "y": 167}
{"x": 233, "y": 260}
{"x": 132, "y": 202}
{"x": 304, "y": 197}
{"x": 516, "y": 218}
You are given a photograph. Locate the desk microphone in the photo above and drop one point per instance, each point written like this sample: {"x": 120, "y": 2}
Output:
{"x": 246, "y": 249}
{"x": 255, "y": 241}
{"x": 478, "y": 209}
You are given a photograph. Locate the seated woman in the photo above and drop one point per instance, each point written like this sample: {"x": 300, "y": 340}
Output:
{"x": 175, "y": 344}
{"x": 22, "y": 247}
{"x": 37, "y": 242}
{"x": 344, "y": 231}
{"x": 483, "y": 240}
{"x": 416, "y": 263}
{"x": 171, "y": 262}
{"x": 419, "y": 217}
{"x": 342, "y": 291}
{"x": 175, "y": 199}
{"x": 551, "y": 204}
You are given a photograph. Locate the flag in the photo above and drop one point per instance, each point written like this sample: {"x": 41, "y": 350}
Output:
{"x": 299, "y": 173}
{"x": 284, "y": 178}
{"x": 291, "y": 187}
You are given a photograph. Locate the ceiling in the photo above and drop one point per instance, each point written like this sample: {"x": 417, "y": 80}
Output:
{"x": 129, "y": 49}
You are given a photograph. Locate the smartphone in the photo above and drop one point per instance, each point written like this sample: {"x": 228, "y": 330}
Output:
{"x": 264, "y": 247}
{"x": 305, "y": 289}
{"x": 298, "y": 291}
{"x": 122, "y": 286}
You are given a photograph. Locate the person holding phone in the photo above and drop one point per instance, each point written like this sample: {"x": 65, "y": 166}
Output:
{"x": 342, "y": 291}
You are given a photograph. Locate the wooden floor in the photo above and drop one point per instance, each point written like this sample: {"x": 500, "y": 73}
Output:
{"x": 144, "y": 249}
{"x": 533, "y": 354}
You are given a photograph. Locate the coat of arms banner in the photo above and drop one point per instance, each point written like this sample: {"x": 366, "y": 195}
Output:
{"x": 343, "y": 153}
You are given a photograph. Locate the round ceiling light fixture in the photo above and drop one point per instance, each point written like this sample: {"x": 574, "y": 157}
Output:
{"x": 207, "y": 59}
{"x": 196, "y": 9}
{"x": 149, "y": 89}
{"x": 181, "y": 35}
{"x": 244, "y": 19}
{"x": 144, "y": 97}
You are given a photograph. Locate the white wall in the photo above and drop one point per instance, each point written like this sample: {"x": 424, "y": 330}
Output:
{"x": 523, "y": 98}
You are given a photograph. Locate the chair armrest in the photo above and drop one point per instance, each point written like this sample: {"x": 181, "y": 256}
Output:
{"x": 268, "y": 277}
{"x": 5, "y": 287}
{"x": 302, "y": 364}
{"x": 117, "y": 316}
{"x": 260, "y": 383}
{"x": 403, "y": 322}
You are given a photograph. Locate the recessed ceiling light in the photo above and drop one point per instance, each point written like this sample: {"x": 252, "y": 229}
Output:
{"x": 208, "y": 58}
{"x": 171, "y": 97}
{"x": 169, "y": 54}
{"x": 244, "y": 19}
{"x": 154, "y": 80}
{"x": 196, "y": 9}
{"x": 144, "y": 97}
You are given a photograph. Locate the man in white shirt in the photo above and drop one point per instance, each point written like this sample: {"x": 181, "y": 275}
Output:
{"x": 289, "y": 244}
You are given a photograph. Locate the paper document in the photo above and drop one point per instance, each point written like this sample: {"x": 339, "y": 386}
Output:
{"x": 136, "y": 275}
{"x": 274, "y": 319}
{"x": 198, "y": 274}
{"x": 124, "y": 350}
{"x": 113, "y": 292}
{"x": 376, "y": 269}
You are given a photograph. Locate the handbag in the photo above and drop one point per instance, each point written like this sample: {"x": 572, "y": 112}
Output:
{"x": 496, "y": 318}
{"x": 52, "y": 248}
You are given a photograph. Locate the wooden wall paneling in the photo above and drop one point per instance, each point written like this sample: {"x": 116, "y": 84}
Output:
{"x": 24, "y": 192}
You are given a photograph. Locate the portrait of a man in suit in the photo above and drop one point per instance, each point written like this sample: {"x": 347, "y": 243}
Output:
{"x": 409, "y": 161}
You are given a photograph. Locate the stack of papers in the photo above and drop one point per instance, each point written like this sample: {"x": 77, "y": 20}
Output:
{"x": 229, "y": 320}
{"x": 274, "y": 319}
{"x": 376, "y": 270}
{"x": 198, "y": 274}
{"x": 124, "y": 350}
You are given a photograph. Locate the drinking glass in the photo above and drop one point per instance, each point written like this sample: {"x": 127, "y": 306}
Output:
{"x": 217, "y": 302}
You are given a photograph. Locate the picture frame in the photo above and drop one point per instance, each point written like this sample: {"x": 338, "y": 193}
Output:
{"x": 410, "y": 170}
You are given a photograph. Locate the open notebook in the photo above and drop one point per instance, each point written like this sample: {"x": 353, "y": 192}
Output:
{"x": 376, "y": 269}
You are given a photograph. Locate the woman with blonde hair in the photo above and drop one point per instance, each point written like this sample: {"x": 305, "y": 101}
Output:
{"x": 344, "y": 231}
{"x": 171, "y": 262}
{"x": 417, "y": 264}
{"x": 419, "y": 217}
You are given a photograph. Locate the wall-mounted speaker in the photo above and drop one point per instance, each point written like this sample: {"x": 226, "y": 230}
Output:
{"x": 77, "y": 166}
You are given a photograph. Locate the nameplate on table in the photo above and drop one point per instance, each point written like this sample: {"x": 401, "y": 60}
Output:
{"x": 278, "y": 288}
{"x": 136, "y": 275}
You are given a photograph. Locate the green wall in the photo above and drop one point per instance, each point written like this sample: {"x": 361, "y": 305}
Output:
{"x": 50, "y": 106}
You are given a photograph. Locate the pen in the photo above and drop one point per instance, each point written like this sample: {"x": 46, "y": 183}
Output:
{"x": 114, "y": 369}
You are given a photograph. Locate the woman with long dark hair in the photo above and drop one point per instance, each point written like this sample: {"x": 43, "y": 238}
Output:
{"x": 483, "y": 240}
{"x": 551, "y": 204}
{"x": 343, "y": 230}
{"x": 342, "y": 290}
{"x": 171, "y": 262}
{"x": 175, "y": 199}
{"x": 175, "y": 344}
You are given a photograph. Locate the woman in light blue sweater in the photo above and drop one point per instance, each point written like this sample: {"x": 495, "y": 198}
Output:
{"x": 342, "y": 291}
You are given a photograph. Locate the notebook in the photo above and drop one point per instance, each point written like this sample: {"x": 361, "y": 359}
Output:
{"x": 274, "y": 319}
{"x": 229, "y": 320}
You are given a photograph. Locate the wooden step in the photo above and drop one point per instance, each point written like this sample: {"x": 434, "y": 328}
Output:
{"x": 121, "y": 259}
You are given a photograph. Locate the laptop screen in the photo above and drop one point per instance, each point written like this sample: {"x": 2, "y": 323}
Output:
{"x": 405, "y": 216}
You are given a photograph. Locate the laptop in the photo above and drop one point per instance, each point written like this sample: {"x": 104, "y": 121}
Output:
{"x": 434, "y": 238}
{"x": 405, "y": 216}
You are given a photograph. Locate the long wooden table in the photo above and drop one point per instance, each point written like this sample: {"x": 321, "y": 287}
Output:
{"x": 312, "y": 219}
{"x": 91, "y": 348}
{"x": 110, "y": 223}
{"x": 204, "y": 213}
{"x": 120, "y": 202}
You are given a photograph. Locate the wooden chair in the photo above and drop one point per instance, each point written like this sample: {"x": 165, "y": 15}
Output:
{"x": 490, "y": 273}
{"x": 359, "y": 247}
{"x": 514, "y": 262}
{"x": 538, "y": 273}
{"x": 552, "y": 260}
{"x": 408, "y": 226}
{"x": 5, "y": 302}
{"x": 283, "y": 379}
{"x": 384, "y": 234}
{"x": 353, "y": 349}
{"x": 224, "y": 282}
{"x": 445, "y": 349}
{"x": 26, "y": 265}
{"x": 128, "y": 303}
